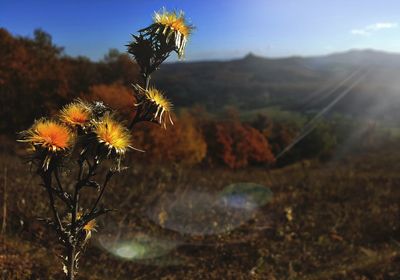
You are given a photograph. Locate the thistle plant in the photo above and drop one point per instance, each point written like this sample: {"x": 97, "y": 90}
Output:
{"x": 84, "y": 138}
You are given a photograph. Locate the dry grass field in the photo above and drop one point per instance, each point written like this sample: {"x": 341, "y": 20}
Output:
{"x": 335, "y": 220}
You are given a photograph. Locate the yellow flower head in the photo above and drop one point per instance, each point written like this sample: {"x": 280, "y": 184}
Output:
{"x": 77, "y": 113}
{"x": 113, "y": 135}
{"x": 162, "y": 104}
{"x": 49, "y": 135}
{"x": 173, "y": 20}
{"x": 174, "y": 24}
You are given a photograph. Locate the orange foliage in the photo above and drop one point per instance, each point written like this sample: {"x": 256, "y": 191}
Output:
{"x": 182, "y": 143}
{"x": 238, "y": 145}
{"x": 116, "y": 96}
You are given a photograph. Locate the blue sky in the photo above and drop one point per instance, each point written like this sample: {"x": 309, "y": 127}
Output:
{"x": 225, "y": 29}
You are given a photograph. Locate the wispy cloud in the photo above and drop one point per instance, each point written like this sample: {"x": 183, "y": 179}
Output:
{"x": 370, "y": 29}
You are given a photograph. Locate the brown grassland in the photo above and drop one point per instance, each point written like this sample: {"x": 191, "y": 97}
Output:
{"x": 336, "y": 220}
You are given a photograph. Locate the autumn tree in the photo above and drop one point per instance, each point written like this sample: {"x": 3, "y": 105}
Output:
{"x": 117, "y": 96}
{"x": 118, "y": 67}
{"x": 32, "y": 80}
{"x": 81, "y": 74}
{"x": 36, "y": 77}
{"x": 237, "y": 145}
{"x": 182, "y": 143}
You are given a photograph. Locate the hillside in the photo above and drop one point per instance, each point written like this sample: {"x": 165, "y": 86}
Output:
{"x": 296, "y": 83}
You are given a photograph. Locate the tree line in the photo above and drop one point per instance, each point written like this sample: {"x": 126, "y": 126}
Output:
{"x": 36, "y": 78}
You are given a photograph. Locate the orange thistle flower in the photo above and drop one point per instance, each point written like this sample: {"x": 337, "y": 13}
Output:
{"x": 113, "y": 135}
{"x": 49, "y": 136}
{"x": 77, "y": 113}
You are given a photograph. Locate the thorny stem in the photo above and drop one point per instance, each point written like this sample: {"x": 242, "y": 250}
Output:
{"x": 81, "y": 182}
{"x": 136, "y": 118}
{"x": 80, "y": 163}
{"x": 60, "y": 192}
{"x": 108, "y": 177}
{"x": 58, "y": 180}
{"x": 71, "y": 262}
{"x": 46, "y": 176}
{"x": 75, "y": 200}
{"x": 62, "y": 196}
{"x": 71, "y": 248}
{"x": 147, "y": 78}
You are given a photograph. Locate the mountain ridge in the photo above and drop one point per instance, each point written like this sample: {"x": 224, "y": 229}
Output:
{"x": 254, "y": 82}
{"x": 253, "y": 55}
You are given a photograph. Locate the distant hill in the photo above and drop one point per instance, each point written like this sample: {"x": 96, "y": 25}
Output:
{"x": 301, "y": 84}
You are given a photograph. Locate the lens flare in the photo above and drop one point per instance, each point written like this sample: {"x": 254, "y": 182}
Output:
{"x": 247, "y": 196}
{"x": 202, "y": 213}
{"x": 309, "y": 127}
{"x": 138, "y": 246}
